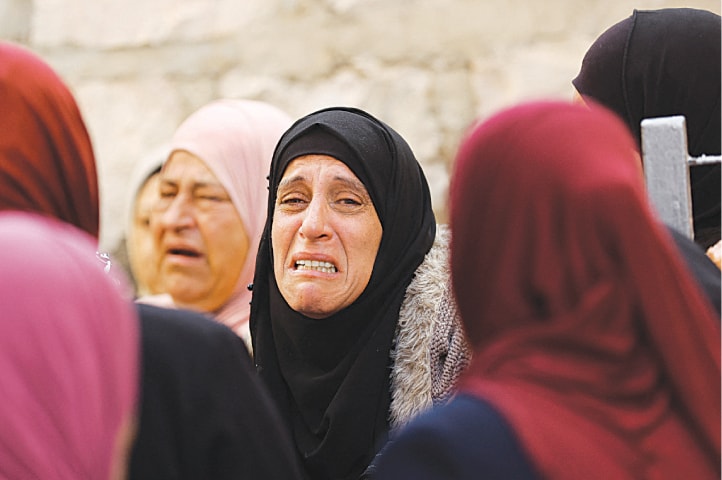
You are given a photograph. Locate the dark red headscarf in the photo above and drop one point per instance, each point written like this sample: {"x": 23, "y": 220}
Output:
{"x": 589, "y": 334}
{"x": 46, "y": 158}
{"x": 658, "y": 63}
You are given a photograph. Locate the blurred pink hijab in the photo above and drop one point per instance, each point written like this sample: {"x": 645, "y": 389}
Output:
{"x": 236, "y": 139}
{"x": 68, "y": 353}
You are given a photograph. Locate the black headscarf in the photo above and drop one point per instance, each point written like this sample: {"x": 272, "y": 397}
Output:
{"x": 331, "y": 376}
{"x": 659, "y": 63}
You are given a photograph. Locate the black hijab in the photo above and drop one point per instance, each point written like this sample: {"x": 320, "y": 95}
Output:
{"x": 331, "y": 376}
{"x": 659, "y": 63}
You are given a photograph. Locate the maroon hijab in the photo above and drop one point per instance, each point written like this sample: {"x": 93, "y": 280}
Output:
{"x": 589, "y": 334}
{"x": 46, "y": 158}
{"x": 658, "y": 63}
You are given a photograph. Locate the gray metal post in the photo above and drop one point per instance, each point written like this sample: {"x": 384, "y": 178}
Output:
{"x": 666, "y": 170}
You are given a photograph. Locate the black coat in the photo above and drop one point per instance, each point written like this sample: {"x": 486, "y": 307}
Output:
{"x": 702, "y": 268}
{"x": 204, "y": 414}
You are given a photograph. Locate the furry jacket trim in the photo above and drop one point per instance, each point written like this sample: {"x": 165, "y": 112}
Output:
{"x": 430, "y": 349}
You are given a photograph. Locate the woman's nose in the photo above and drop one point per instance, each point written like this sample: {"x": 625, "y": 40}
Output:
{"x": 175, "y": 214}
{"x": 315, "y": 220}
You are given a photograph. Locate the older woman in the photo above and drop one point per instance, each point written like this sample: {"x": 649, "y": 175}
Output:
{"x": 68, "y": 355}
{"x": 138, "y": 243}
{"x": 353, "y": 331}
{"x": 595, "y": 354}
{"x": 657, "y": 63}
{"x": 210, "y": 213}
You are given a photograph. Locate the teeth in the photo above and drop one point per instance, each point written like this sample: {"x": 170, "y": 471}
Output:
{"x": 325, "y": 267}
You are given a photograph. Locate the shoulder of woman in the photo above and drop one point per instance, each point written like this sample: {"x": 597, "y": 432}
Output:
{"x": 431, "y": 278}
{"x": 421, "y": 318}
{"x": 464, "y": 439}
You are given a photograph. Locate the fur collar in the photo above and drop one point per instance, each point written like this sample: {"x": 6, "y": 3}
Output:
{"x": 411, "y": 375}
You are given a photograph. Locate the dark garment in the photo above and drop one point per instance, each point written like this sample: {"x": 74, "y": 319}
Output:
{"x": 703, "y": 269}
{"x": 465, "y": 439}
{"x": 204, "y": 413}
{"x": 658, "y": 63}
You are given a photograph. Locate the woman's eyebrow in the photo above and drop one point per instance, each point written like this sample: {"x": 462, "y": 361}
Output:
{"x": 355, "y": 186}
{"x": 290, "y": 180}
{"x": 347, "y": 182}
{"x": 196, "y": 185}
{"x": 168, "y": 181}
{"x": 351, "y": 183}
{"x": 207, "y": 184}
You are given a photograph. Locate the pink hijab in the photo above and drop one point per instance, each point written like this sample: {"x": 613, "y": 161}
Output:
{"x": 68, "y": 353}
{"x": 236, "y": 139}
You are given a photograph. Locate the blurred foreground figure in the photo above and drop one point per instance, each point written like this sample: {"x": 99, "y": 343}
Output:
{"x": 595, "y": 354}
{"x": 68, "y": 356}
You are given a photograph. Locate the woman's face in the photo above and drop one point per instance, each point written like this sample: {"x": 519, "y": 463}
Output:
{"x": 325, "y": 236}
{"x": 141, "y": 249}
{"x": 199, "y": 236}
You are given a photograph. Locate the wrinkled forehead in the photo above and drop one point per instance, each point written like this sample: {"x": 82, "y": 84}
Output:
{"x": 364, "y": 154}
{"x": 313, "y": 168}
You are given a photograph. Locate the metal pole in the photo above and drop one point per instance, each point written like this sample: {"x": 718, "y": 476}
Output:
{"x": 666, "y": 170}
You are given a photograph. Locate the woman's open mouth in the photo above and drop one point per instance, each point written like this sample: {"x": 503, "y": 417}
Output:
{"x": 184, "y": 252}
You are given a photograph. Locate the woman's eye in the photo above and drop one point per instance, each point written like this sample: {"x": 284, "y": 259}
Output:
{"x": 349, "y": 201}
{"x": 292, "y": 203}
{"x": 167, "y": 193}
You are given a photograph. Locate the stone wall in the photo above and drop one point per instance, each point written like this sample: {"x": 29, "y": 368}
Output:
{"x": 426, "y": 67}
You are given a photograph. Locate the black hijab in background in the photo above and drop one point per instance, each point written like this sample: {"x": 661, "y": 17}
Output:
{"x": 659, "y": 63}
{"x": 330, "y": 377}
